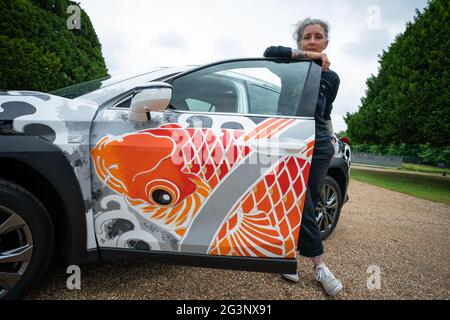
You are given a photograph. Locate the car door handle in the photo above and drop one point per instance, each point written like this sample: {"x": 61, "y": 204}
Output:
{"x": 285, "y": 147}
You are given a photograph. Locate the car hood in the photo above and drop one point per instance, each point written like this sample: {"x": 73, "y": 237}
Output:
{"x": 50, "y": 117}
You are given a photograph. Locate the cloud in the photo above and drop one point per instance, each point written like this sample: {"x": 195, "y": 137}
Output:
{"x": 369, "y": 45}
{"x": 171, "y": 39}
{"x": 113, "y": 47}
{"x": 156, "y": 33}
{"x": 228, "y": 47}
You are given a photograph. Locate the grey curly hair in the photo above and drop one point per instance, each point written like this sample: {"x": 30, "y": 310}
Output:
{"x": 301, "y": 26}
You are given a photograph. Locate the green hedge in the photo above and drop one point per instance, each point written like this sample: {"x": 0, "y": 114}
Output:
{"x": 426, "y": 153}
{"x": 38, "y": 51}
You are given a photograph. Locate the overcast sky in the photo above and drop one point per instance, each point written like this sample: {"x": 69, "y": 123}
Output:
{"x": 137, "y": 35}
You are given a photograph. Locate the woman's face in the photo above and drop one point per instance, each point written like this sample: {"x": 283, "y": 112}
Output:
{"x": 313, "y": 39}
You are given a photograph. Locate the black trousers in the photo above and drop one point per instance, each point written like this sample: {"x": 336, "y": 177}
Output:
{"x": 310, "y": 240}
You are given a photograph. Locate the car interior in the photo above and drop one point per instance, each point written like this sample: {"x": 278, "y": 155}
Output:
{"x": 204, "y": 94}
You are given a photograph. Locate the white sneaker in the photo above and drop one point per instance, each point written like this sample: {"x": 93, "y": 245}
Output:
{"x": 291, "y": 277}
{"x": 330, "y": 284}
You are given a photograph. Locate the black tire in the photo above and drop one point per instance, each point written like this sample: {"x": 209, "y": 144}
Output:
{"x": 30, "y": 222}
{"x": 328, "y": 216}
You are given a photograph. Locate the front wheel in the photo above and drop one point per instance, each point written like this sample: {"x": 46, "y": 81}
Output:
{"x": 329, "y": 207}
{"x": 26, "y": 240}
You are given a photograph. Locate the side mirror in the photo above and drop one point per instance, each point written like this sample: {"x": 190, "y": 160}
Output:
{"x": 154, "y": 96}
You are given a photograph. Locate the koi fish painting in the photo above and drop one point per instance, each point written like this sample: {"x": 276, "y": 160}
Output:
{"x": 170, "y": 173}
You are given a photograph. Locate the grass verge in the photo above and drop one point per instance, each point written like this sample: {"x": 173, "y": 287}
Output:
{"x": 433, "y": 188}
{"x": 423, "y": 168}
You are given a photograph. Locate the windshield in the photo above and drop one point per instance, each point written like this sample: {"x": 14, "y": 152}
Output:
{"x": 79, "y": 89}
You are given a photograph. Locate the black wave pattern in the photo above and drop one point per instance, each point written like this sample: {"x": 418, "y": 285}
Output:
{"x": 9, "y": 111}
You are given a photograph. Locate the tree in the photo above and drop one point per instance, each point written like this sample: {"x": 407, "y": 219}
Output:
{"x": 29, "y": 66}
{"x": 408, "y": 101}
{"x": 34, "y": 34}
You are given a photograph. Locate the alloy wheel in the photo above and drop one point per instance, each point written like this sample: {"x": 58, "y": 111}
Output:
{"x": 327, "y": 208}
{"x": 16, "y": 249}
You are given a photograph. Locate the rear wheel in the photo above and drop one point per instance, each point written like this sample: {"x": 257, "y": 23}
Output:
{"x": 329, "y": 207}
{"x": 26, "y": 240}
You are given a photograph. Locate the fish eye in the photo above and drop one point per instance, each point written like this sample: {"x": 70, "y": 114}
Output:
{"x": 162, "y": 197}
{"x": 162, "y": 192}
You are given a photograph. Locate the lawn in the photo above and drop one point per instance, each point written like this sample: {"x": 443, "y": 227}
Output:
{"x": 423, "y": 168}
{"x": 432, "y": 188}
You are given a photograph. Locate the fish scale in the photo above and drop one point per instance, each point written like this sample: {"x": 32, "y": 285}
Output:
{"x": 273, "y": 224}
{"x": 195, "y": 148}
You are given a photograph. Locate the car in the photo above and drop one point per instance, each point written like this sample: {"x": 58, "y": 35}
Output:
{"x": 196, "y": 165}
{"x": 334, "y": 191}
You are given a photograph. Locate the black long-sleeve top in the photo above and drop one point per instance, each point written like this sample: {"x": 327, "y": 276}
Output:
{"x": 329, "y": 86}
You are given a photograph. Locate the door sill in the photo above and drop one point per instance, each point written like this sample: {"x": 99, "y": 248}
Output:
{"x": 270, "y": 265}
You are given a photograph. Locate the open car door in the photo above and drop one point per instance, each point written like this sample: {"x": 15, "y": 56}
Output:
{"x": 219, "y": 178}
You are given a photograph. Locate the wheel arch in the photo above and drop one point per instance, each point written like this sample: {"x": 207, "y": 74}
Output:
{"x": 338, "y": 170}
{"x": 41, "y": 168}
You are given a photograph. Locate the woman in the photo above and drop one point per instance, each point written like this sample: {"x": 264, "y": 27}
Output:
{"x": 312, "y": 39}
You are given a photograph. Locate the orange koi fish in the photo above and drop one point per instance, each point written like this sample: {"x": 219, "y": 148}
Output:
{"x": 266, "y": 221}
{"x": 168, "y": 171}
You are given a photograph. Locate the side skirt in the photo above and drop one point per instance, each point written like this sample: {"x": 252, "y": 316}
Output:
{"x": 270, "y": 265}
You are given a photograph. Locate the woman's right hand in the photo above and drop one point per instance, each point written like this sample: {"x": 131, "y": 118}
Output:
{"x": 319, "y": 56}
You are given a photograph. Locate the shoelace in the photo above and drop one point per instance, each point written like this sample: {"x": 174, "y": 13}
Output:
{"x": 323, "y": 271}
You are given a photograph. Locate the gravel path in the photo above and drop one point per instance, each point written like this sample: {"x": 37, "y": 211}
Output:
{"x": 408, "y": 238}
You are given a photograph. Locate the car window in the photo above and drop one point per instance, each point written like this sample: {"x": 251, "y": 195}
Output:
{"x": 200, "y": 106}
{"x": 261, "y": 87}
{"x": 124, "y": 104}
{"x": 209, "y": 93}
{"x": 262, "y": 99}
